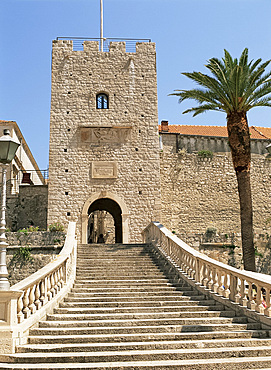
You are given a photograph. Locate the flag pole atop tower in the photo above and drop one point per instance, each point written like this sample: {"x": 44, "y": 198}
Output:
{"x": 101, "y": 25}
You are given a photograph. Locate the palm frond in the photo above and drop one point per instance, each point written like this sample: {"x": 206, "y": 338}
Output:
{"x": 233, "y": 86}
{"x": 201, "y": 109}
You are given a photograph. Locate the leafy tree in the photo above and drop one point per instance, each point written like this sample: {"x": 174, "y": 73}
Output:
{"x": 234, "y": 87}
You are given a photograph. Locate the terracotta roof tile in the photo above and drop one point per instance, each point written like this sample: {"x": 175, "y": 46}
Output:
{"x": 219, "y": 131}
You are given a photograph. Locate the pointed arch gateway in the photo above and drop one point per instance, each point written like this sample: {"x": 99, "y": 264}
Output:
{"x": 113, "y": 204}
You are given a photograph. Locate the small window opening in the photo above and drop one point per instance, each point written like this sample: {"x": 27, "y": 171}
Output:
{"x": 102, "y": 101}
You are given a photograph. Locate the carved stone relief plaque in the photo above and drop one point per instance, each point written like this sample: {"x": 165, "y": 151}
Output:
{"x": 102, "y": 135}
{"x": 104, "y": 170}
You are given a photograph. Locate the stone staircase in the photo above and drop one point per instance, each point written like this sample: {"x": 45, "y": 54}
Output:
{"x": 127, "y": 311}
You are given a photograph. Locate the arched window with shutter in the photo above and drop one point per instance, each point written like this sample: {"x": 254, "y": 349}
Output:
{"x": 102, "y": 101}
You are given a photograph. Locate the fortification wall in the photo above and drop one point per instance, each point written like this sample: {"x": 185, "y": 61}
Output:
{"x": 198, "y": 193}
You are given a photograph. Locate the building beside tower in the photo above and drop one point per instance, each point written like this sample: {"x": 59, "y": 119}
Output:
{"x": 104, "y": 147}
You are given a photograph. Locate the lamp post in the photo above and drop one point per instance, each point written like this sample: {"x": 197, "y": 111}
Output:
{"x": 8, "y": 147}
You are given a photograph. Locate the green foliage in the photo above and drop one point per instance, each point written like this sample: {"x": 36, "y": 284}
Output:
{"x": 57, "y": 241}
{"x": 21, "y": 256}
{"x": 56, "y": 226}
{"x": 205, "y": 154}
{"x": 234, "y": 86}
{"x": 28, "y": 230}
{"x": 258, "y": 253}
{"x": 210, "y": 233}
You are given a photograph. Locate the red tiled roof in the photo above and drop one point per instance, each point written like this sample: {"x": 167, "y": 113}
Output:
{"x": 220, "y": 131}
{"x": 266, "y": 131}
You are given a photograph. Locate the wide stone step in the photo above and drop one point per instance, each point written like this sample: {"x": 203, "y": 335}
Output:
{"x": 137, "y": 293}
{"x": 147, "y": 345}
{"x": 89, "y": 278}
{"x": 142, "y": 337}
{"x": 136, "y": 309}
{"x": 200, "y": 364}
{"x": 137, "y": 303}
{"x": 125, "y": 283}
{"x": 149, "y": 298}
{"x": 112, "y": 289}
{"x": 144, "y": 329}
{"x": 181, "y": 297}
{"x": 142, "y": 322}
{"x": 123, "y": 275}
{"x": 141, "y": 315}
{"x": 141, "y": 355}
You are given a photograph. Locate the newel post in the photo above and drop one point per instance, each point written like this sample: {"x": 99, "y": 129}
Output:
{"x": 8, "y": 320}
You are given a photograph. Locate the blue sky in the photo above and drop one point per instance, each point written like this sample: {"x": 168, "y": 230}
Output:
{"x": 186, "y": 32}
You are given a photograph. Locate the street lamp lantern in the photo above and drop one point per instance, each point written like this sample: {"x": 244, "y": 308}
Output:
{"x": 8, "y": 147}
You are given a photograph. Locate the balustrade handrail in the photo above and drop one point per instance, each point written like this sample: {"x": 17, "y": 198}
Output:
{"x": 246, "y": 288}
{"x": 28, "y": 302}
{"x": 39, "y": 289}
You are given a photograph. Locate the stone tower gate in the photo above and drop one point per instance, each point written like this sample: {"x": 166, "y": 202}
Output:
{"x": 104, "y": 151}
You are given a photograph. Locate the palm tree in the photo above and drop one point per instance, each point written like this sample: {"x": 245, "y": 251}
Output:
{"x": 234, "y": 88}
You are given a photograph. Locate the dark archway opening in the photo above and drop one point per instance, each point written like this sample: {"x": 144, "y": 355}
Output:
{"x": 99, "y": 223}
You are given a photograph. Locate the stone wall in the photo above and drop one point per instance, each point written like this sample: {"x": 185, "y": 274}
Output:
{"x": 104, "y": 153}
{"x": 27, "y": 252}
{"x": 28, "y": 208}
{"x": 194, "y": 143}
{"x": 198, "y": 193}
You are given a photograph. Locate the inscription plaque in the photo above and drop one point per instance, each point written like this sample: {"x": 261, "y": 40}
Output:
{"x": 104, "y": 170}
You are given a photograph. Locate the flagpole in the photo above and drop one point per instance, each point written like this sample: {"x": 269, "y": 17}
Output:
{"x": 101, "y": 25}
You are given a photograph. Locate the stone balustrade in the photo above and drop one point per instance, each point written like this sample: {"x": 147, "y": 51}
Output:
{"x": 31, "y": 299}
{"x": 245, "y": 289}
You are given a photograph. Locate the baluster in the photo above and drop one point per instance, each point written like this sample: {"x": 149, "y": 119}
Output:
{"x": 26, "y": 310}
{"x": 59, "y": 283}
{"x": 193, "y": 267}
{"x": 43, "y": 295}
{"x": 57, "y": 286}
{"x": 259, "y": 299}
{"x": 237, "y": 295}
{"x": 267, "y": 310}
{"x": 32, "y": 299}
{"x": 226, "y": 292}
{"x": 243, "y": 294}
{"x": 49, "y": 293}
{"x": 55, "y": 282}
{"x": 179, "y": 256}
{"x": 251, "y": 295}
{"x": 220, "y": 288}
{"x": 233, "y": 288}
{"x": 37, "y": 296}
{"x": 20, "y": 306}
{"x": 52, "y": 284}
{"x": 190, "y": 270}
{"x": 210, "y": 278}
{"x": 199, "y": 272}
{"x": 215, "y": 285}
{"x": 205, "y": 279}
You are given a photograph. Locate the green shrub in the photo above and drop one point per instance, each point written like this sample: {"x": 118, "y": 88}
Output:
{"x": 205, "y": 154}
{"x": 210, "y": 232}
{"x": 56, "y": 226}
{"x": 21, "y": 256}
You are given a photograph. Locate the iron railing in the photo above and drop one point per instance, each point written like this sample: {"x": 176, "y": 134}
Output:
{"x": 78, "y": 42}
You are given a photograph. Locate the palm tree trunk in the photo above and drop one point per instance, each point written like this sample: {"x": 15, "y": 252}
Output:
{"x": 239, "y": 141}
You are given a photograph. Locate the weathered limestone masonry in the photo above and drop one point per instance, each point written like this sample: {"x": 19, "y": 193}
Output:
{"x": 198, "y": 193}
{"x": 104, "y": 154}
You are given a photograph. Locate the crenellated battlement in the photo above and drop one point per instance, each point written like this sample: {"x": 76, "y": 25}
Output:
{"x": 109, "y": 45}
